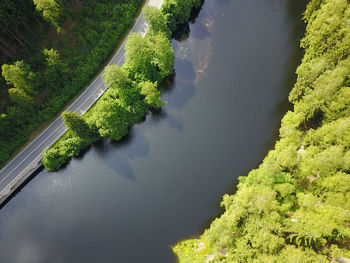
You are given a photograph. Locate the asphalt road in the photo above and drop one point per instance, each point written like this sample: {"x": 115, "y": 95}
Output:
{"x": 31, "y": 155}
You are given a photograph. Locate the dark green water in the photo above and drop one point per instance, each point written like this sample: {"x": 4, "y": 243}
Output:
{"x": 130, "y": 201}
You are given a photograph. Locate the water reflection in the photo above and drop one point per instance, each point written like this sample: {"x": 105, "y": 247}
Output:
{"x": 118, "y": 154}
{"x": 162, "y": 114}
{"x": 222, "y": 2}
{"x": 184, "y": 83}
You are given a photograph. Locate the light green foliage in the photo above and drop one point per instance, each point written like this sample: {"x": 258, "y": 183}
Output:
{"x": 20, "y": 97}
{"x": 24, "y": 81}
{"x": 52, "y": 57}
{"x": 112, "y": 121}
{"x": 76, "y": 123}
{"x": 150, "y": 58}
{"x": 68, "y": 146}
{"x": 50, "y": 9}
{"x": 296, "y": 206}
{"x": 151, "y": 93}
{"x": 157, "y": 21}
{"x": 19, "y": 76}
{"x": 52, "y": 159}
{"x": 56, "y": 70}
{"x": 116, "y": 77}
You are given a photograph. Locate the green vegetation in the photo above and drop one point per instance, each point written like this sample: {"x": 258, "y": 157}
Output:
{"x": 132, "y": 91}
{"x": 296, "y": 206}
{"x": 50, "y": 10}
{"x": 49, "y": 51}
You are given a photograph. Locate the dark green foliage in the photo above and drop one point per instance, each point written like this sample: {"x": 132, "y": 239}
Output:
{"x": 60, "y": 64}
{"x": 178, "y": 11}
{"x": 296, "y": 206}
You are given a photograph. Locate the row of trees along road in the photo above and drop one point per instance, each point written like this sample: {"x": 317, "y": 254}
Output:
{"x": 132, "y": 89}
{"x": 50, "y": 50}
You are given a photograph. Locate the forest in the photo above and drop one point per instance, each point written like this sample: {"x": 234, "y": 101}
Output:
{"x": 295, "y": 207}
{"x": 132, "y": 88}
{"x": 49, "y": 51}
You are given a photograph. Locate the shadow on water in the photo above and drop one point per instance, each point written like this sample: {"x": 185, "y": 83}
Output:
{"x": 134, "y": 144}
{"x": 161, "y": 115}
{"x": 183, "y": 30}
{"x": 200, "y": 31}
{"x": 184, "y": 83}
{"x": 118, "y": 154}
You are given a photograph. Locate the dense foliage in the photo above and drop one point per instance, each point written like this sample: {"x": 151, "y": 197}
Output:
{"x": 132, "y": 90}
{"x": 296, "y": 206}
{"x": 51, "y": 49}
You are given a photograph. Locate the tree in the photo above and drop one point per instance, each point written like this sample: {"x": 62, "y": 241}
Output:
{"x": 52, "y": 58}
{"x": 151, "y": 93}
{"x": 116, "y": 77}
{"x": 76, "y": 123}
{"x": 177, "y": 11}
{"x": 20, "y": 76}
{"x": 52, "y": 159}
{"x": 50, "y": 10}
{"x": 150, "y": 58}
{"x": 20, "y": 97}
{"x": 163, "y": 56}
{"x": 111, "y": 119}
{"x": 157, "y": 21}
{"x": 57, "y": 70}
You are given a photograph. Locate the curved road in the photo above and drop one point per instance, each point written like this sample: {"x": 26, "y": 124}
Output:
{"x": 29, "y": 159}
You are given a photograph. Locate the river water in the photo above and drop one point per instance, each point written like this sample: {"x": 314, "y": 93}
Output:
{"x": 130, "y": 201}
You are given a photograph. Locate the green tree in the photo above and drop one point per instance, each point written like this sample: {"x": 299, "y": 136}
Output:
{"x": 151, "y": 93}
{"x": 111, "y": 119}
{"x": 20, "y": 76}
{"x": 50, "y": 9}
{"x": 178, "y": 11}
{"x": 53, "y": 58}
{"x": 157, "y": 21}
{"x": 116, "y": 77}
{"x": 52, "y": 159}
{"x": 76, "y": 123}
{"x": 57, "y": 70}
{"x": 20, "y": 97}
{"x": 150, "y": 58}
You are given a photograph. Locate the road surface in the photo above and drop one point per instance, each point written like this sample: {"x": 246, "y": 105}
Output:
{"x": 29, "y": 159}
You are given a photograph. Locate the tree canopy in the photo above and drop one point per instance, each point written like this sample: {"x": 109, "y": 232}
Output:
{"x": 296, "y": 206}
{"x": 50, "y": 9}
{"x": 76, "y": 123}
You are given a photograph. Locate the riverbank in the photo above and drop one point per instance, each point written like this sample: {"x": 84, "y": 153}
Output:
{"x": 295, "y": 206}
{"x": 133, "y": 198}
{"x": 132, "y": 88}
{"x": 29, "y": 159}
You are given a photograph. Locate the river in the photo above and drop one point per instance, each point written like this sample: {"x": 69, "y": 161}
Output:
{"x": 130, "y": 201}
